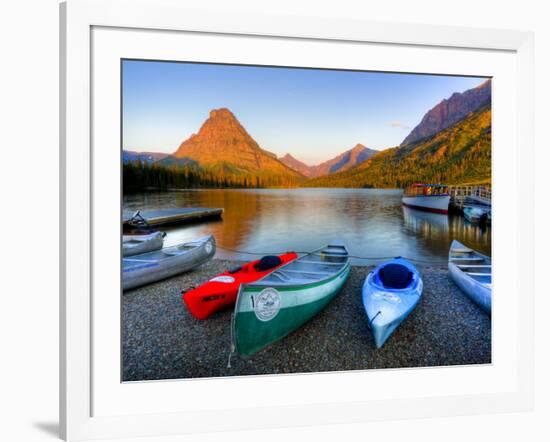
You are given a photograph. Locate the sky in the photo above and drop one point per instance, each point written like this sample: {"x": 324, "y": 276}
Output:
{"x": 312, "y": 114}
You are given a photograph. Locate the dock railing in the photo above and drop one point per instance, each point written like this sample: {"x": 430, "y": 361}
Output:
{"x": 476, "y": 194}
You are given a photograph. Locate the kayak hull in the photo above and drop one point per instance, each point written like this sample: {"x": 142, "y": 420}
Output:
{"x": 388, "y": 307}
{"x": 221, "y": 291}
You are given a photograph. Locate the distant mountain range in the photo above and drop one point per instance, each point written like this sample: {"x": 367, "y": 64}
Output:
{"x": 459, "y": 154}
{"x": 449, "y": 111}
{"x": 145, "y": 157}
{"x": 344, "y": 161}
{"x": 451, "y": 144}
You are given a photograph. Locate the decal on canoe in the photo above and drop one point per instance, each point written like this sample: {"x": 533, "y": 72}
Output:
{"x": 267, "y": 304}
{"x": 223, "y": 278}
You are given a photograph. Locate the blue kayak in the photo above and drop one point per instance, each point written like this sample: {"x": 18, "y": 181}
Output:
{"x": 390, "y": 292}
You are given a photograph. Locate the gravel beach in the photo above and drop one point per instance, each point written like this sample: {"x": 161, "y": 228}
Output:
{"x": 161, "y": 340}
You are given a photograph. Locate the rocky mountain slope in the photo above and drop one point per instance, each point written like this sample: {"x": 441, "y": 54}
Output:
{"x": 459, "y": 154}
{"x": 296, "y": 165}
{"x": 449, "y": 111}
{"x": 223, "y": 144}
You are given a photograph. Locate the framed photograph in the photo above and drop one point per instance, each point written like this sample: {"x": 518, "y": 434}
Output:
{"x": 287, "y": 221}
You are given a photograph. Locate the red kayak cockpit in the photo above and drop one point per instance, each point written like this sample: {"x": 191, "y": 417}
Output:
{"x": 221, "y": 291}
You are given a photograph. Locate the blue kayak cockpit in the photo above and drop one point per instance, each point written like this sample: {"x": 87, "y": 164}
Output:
{"x": 395, "y": 276}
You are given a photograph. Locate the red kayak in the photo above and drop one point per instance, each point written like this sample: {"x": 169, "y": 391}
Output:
{"x": 221, "y": 291}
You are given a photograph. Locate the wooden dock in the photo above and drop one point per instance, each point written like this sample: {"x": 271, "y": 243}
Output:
{"x": 465, "y": 195}
{"x": 175, "y": 216}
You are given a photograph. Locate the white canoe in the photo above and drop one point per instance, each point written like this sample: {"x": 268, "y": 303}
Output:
{"x": 149, "y": 267}
{"x": 390, "y": 293}
{"x": 137, "y": 244}
{"x": 471, "y": 271}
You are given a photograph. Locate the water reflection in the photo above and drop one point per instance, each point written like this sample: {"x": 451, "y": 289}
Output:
{"x": 436, "y": 231}
{"x": 372, "y": 222}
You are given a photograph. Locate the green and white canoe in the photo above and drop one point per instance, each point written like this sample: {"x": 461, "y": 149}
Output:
{"x": 276, "y": 305}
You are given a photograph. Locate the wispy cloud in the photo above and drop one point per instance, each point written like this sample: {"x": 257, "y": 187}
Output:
{"x": 399, "y": 125}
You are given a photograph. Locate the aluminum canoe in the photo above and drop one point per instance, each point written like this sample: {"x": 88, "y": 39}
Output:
{"x": 471, "y": 271}
{"x": 153, "y": 266}
{"x": 137, "y": 244}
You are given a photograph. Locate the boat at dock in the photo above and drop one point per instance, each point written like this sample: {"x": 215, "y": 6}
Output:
{"x": 477, "y": 214}
{"x": 137, "y": 244}
{"x": 429, "y": 197}
{"x": 390, "y": 293}
{"x": 281, "y": 302}
{"x": 471, "y": 271}
{"x": 153, "y": 266}
{"x": 221, "y": 291}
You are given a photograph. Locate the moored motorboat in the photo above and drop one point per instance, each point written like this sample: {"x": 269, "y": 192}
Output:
{"x": 390, "y": 292}
{"x": 429, "y": 197}
{"x": 137, "y": 244}
{"x": 476, "y": 214}
{"x": 276, "y": 305}
{"x": 153, "y": 266}
{"x": 221, "y": 291}
{"x": 471, "y": 271}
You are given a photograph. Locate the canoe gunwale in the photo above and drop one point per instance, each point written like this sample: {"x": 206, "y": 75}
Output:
{"x": 290, "y": 284}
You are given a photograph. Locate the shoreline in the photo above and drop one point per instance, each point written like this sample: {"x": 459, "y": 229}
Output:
{"x": 161, "y": 340}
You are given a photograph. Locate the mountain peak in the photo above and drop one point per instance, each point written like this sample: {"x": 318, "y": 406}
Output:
{"x": 222, "y": 142}
{"x": 346, "y": 160}
{"x": 296, "y": 165}
{"x": 449, "y": 111}
{"x": 485, "y": 84}
{"x": 221, "y": 113}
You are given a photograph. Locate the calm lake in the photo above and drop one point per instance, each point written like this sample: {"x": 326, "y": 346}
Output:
{"x": 371, "y": 222}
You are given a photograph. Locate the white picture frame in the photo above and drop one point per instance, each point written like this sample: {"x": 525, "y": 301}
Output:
{"x": 78, "y": 377}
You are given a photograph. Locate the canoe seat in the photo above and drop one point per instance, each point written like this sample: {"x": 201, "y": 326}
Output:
{"x": 324, "y": 263}
{"x": 464, "y": 250}
{"x": 306, "y": 272}
{"x": 395, "y": 276}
